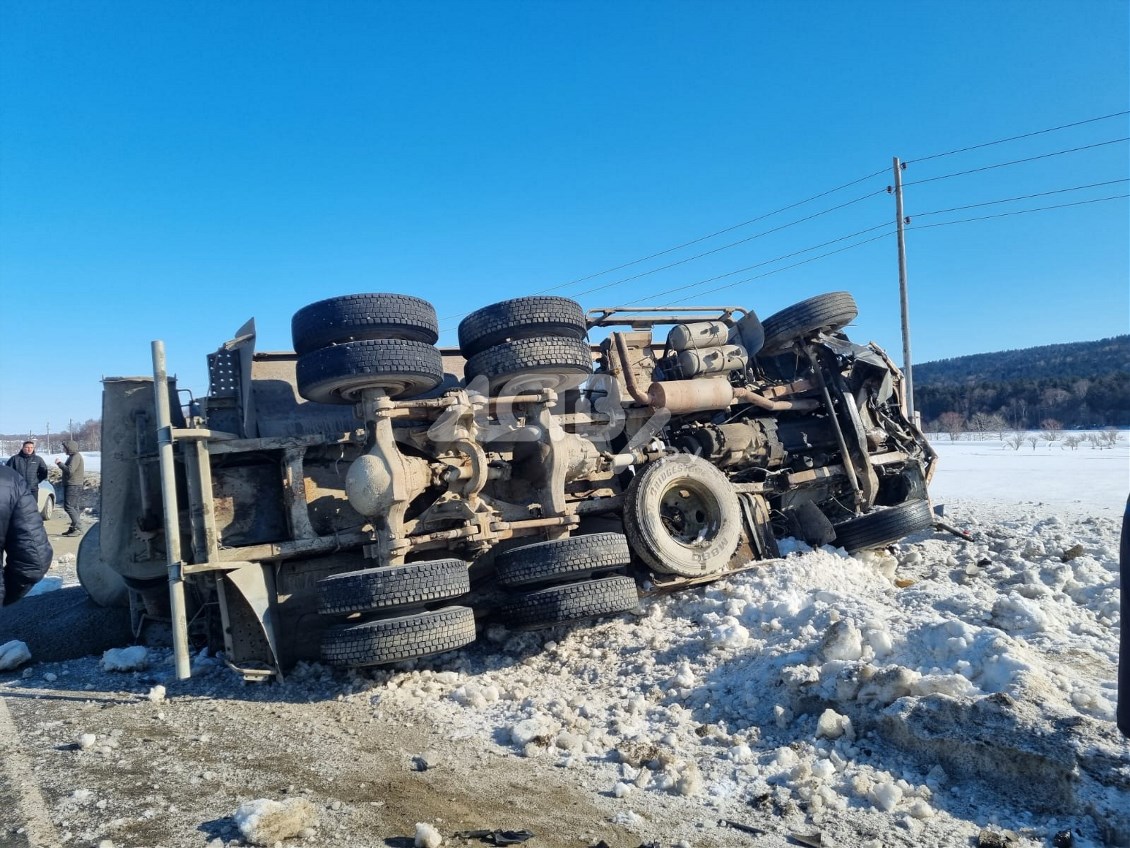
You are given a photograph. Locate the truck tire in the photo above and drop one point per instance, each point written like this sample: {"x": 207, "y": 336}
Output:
{"x": 406, "y": 637}
{"x": 570, "y": 602}
{"x": 521, "y": 318}
{"x": 531, "y": 364}
{"x": 562, "y": 559}
{"x": 884, "y": 527}
{"x": 393, "y": 587}
{"x": 825, "y": 312}
{"x": 104, "y": 585}
{"x": 339, "y": 373}
{"x": 682, "y": 516}
{"x": 356, "y": 317}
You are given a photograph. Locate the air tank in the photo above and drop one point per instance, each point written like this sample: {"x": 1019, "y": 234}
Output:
{"x": 714, "y": 360}
{"x": 700, "y": 334}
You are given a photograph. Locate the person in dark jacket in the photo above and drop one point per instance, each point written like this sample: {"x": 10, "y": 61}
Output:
{"x": 74, "y": 474}
{"x": 25, "y": 552}
{"x": 29, "y": 465}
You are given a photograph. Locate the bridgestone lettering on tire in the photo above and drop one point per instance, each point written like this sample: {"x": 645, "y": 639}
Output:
{"x": 389, "y": 640}
{"x": 682, "y": 516}
{"x": 884, "y": 527}
{"x": 357, "y": 317}
{"x": 562, "y": 559}
{"x": 529, "y": 364}
{"x": 393, "y": 587}
{"x": 825, "y": 312}
{"x": 521, "y": 318}
{"x": 571, "y": 602}
{"x": 339, "y": 373}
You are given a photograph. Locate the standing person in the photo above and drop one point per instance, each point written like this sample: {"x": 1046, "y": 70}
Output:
{"x": 74, "y": 473}
{"x": 29, "y": 465}
{"x": 25, "y": 552}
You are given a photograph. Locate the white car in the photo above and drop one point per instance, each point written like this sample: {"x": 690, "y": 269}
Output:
{"x": 46, "y": 499}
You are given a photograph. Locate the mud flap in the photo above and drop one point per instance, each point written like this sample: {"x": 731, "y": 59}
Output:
{"x": 755, "y": 518}
{"x": 248, "y": 620}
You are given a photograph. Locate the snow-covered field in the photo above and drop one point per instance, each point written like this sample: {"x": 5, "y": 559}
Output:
{"x": 935, "y": 696}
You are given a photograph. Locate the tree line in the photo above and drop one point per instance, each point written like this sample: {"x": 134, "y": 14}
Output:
{"x": 88, "y": 435}
{"x": 1078, "y": 386}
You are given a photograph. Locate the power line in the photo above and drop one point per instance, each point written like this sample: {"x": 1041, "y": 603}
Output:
{"x": 718, "y": 233}
{"x": 788, "y": 267}
{"x": 1018, "y": 137}
{"x": 1016, "y": 162}
{"x": 762, "y": 264}
{"x": 1021, "y": 212}
{"x": 706, "y": 238}
{"x": 1021, "y": 197}
{"x": 860, "y": 244}
{"x": 731, "y": 244}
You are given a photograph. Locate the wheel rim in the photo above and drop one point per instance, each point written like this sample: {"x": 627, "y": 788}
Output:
{"x": 689, "y": 513}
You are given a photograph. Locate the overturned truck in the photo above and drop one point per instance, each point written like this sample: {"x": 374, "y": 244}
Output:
{"x": 370, "y": 498}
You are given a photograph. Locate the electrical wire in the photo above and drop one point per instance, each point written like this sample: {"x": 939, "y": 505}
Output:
{"x": 649, "y": 298}
{"x": 762, "y": 264}
{"x": 1016, "y": 162}
{"x": 731, "y": 244}
{"x": 1021, "y": 197}
{"x": 700, "y": 239}
{"x": 715, "y": 234}
{"x": 1019, "y": 212}
{"x": 788, "y": 267}
{"x": 1017, "y": 137}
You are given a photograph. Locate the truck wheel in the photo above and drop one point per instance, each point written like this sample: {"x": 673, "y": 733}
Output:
{"x": 570, "y": 602}
{"x": 562, "y": 559}
{"x": 531, "y": 364}
{"x": 521, "y": 318}
{"x": 104, "y": 585}
{"x": 827, "y": 312}
{"x": 884, "y": 527}
{"x": 393, "y": 587}
{"x": 356, "y": 317}
{"x": 339, "y": 373}
{"x": 682, "y": 516}
{"x": 389, "y": 640}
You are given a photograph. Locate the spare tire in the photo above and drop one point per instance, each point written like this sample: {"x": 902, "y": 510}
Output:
{"x": 825, "y": 312}
{"x": 884, "y": 526}
{"x": 339, "y": 373}
{"x": 682, "y": 516}
{"x": 521, "y": 318}
{"x": 530, "y": 364}
{"x": 356, "y": 317}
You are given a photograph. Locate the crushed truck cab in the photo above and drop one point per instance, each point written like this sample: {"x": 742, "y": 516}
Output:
{"x": 370, "y": 498}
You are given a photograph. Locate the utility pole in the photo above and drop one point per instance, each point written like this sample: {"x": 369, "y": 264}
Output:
{"x": 901, "y": 221}
{"x": 48, "y": 437}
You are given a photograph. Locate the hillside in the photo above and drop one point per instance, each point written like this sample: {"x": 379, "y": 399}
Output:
{"x": 1081, "y": 384}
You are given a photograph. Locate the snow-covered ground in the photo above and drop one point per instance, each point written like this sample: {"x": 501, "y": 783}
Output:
{"x": 1082, "y": 481}
{"x": 906, "y": 698}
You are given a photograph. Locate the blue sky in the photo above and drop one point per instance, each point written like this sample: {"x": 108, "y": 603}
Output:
{"x": 168, "y": 170}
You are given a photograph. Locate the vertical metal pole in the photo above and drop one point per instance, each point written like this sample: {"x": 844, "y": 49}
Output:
{"x": 901, "y": 220}
{"x": 172, "y": 521}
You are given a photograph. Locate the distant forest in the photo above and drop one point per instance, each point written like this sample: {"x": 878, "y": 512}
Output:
{"x": 1082, "y": 385}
